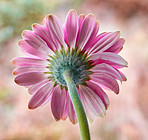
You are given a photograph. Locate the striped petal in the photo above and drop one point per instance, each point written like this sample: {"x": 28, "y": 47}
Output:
{"x": 56, "y": 103}
{"x": 42, "y": 33}
{"x": 26, "y": 48}
{"x": 36, "y": 42}
{"x": 26, "y": 69}
{"x": 40, "y": 96}
{"x": 122, "y": 75}
{"x": 104, "y": 41}
{"x": 24, "y": 61}
{"x": 86, "y": 30}
{"x": 27, "y": 79}
{"x": 107, "y": 69}
{"x": 106, "y": 81}
{"x": 93, "y": 101}
{"x": 117, "y": 47}
{"x": 54, "y": 26}
{"x": 92, "y": 36}
{"x": 80, "y": 23}
{"x": 71, "y": 28}
{"x": 102, "y": 95}
{"x": 33, "y": 88}
{"x": 110, "y": 58}
{"x": 64, "y": 104}
{"x": 86, "y": 106}
{"x": 71, "y": 111}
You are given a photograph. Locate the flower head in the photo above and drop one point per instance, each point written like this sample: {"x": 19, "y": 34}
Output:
{"x": 92, "y": 59}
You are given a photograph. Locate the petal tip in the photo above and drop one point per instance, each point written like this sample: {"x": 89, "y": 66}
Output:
{"x": 64, "y": 118}
{"x": 102, "y": 116}
{"x": 97, "y": 22}
{"x": 13, "y": 61}
{"x": 118, "y": 33}
{"x": 123, "y": 40}
{"x": 117, "y": 92}
{"x": 34, "y": 25}
{"x": 16, "y": 81}
{"x": 72, "y": 11}
{"x": 14, "y": 72}
{"x": 126, "y": 63}
{"x": 19, "y": 42}
{"x": 82, "y": 16}
{"x": 23, "y": 33}
{"x": 107, "y": 106}
{"x": 124, "y": 79}
{"x": 56, "y": 119}
{"x": 29, "y": 91}
{"x": 74, "y": 122}
{"x": 91, "y": 16}
{"x": 30, "y": 107}
{"x": 49, "y": 17}
{"x": 91, "y": 121}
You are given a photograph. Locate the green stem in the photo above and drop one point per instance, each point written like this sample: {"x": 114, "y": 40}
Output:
{"x": 81, "y": 116}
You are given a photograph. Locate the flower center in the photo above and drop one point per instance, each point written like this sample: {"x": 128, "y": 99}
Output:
{"x": 76, "y": 61}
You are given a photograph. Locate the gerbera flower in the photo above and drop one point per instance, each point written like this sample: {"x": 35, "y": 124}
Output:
{"x": 91, "y": 58}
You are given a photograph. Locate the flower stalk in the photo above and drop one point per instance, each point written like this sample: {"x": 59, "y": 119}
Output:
{"x": 81, "y": 116}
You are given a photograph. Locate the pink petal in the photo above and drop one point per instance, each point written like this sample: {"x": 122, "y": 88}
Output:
{"x": 107, "y": 69}
{"x": 43, "y": 33}
{"x": 110, "y": 58}
{"x": 93, "y": 101}
{"x": 104, "y": 41}
{"x": 88, "y": 111}
{"x": 33, "y": 88}
{"x": 30, "y": 78}
{"x": 122, "y": 75}
{"x": 93, "y": 35}
{"x": 88, "y": 103}
{"x": 56, "y": 103}
{"x": 106, "y": 81}
{"x": 25, "y": 47}
{"x": 36, "y": 42}
{"x": 23, "y": 61}
{"x": 86, "y": 30}
{"x": 26, "y": 69}
{"x": 41, "y": 95}
{"x": 80, "y": 21}
{"x": 64, "y": 104}
{"x": 71, "y": 111}
{"x": 97, "y": 38}
{"x": 117, "y": 47}
{"x": 54, "y": 26}
{"x": 103, "y": 96}
{"x": 71, "y": 27}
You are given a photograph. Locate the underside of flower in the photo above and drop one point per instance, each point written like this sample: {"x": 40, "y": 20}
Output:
{"x": 90, "y": 58}
{"x": 74, "y": 60}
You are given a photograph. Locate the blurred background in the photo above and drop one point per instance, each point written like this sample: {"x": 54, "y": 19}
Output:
{"x": 127, "y": 116}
